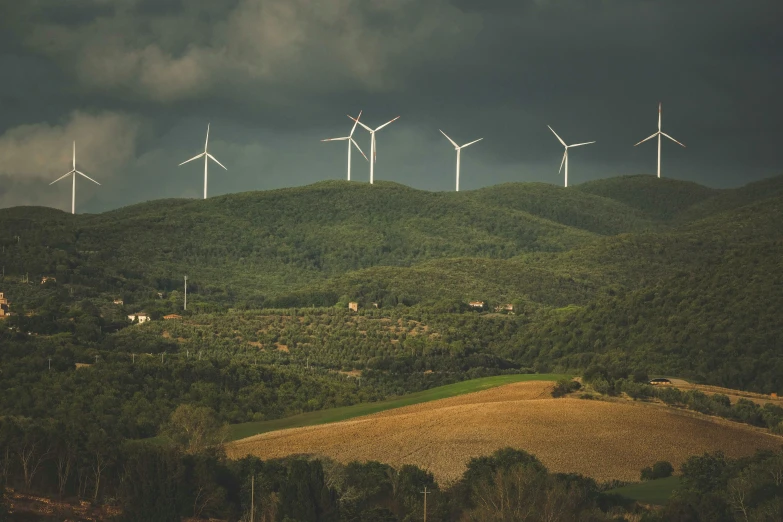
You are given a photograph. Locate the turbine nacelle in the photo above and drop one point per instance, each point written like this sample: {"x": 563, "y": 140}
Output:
{"x": 207, "y": 156}
{"x": 565, "y": 153}
{"x": 659, "y": 133}
{"x": 74, "y": 172}
{"x": 373, "y": 151}
{"x": 458, "y": 148}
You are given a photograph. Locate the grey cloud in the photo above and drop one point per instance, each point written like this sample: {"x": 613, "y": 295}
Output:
{"x": 274, "y": 77}
{"x": 104, "y": 143}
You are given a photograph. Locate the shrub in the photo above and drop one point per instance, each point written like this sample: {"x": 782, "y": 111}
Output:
{"x": 602, "y": 386}
{"x": 660, "y": 469}
{"x": 564, "y": 387}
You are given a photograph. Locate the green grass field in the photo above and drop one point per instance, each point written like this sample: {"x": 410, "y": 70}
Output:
{"x": 247, "y": 429}
{"x": 656, "y": 492}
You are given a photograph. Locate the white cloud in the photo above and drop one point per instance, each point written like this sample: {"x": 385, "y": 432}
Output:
{"x": 105, "y": 142}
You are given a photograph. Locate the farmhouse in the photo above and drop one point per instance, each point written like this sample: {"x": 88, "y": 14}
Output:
{"x": 506, "y": 307}
{"x": 118, "y": 302}
{"x": 4, "y": 306}
{"x": 476, "y": 304}
{"x": 353, "y": 306}
{"x": 660, "y": 382}
{"x": 47, "y": 278}
{"x": 141, "y": 317}
{"x": 172, "y": 316}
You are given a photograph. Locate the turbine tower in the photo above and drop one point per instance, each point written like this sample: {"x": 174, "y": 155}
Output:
{"x": 373, "y": 152}
{"x": 565, "y": 155}
{"x": 458, "y": 149}
{"x": 659, "y": 134}
{"x": 350, "y": 140}
{"x": 207, "y": 156}
{"x": 74, "y": 172}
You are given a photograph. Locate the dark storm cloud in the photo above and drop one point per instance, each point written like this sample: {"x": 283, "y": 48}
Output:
{"x": 276, "y": 76}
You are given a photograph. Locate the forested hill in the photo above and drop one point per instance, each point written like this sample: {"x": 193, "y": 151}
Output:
{"x": 664, "y": 275}
{"x": 315, "y": 244}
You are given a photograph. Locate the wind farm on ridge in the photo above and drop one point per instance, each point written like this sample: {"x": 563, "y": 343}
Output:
{"x": 373, "y": 153}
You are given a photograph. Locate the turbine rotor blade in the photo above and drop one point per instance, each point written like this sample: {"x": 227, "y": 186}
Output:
{"x": 191, "y": 159}
{"x": 385, "y": 124}
{"x": 338, "y": 139}
{"x": 74, "y": 156}
{"x": 452, "y": 141}
{"x": 86, "y": 176}
{"x": 215, "y": 160}
{"x": 558, "y": 137}
{"x": 645, "y": 139}
{"x": 562, "y": 161}
{"x": 579, "y": 144}
{"x": 471, "y": 143}
{"x": 675, "y": 141}
{"x": 62, "y": 177}
{"x": 207, "y": 141}
{"x": 360, "y": 123}
{"x": 354, "y": 123}
{"x": 357, "y": 146}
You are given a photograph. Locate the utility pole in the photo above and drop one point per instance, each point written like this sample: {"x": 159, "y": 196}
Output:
{"x": 161, "y": 358}
{"x": 252, "y": 496}
{"x": 50, "y": 364}
{"x": 186, "y": 292}
{"x": 425, "y": 492}
{"x": 134, "y": 358}
{"x": 96, "y": 359}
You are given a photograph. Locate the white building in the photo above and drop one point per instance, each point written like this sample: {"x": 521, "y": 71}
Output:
{"x": 139, "y": 318}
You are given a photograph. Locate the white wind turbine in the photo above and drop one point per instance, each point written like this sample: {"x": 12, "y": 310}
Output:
{"x": 74, "y": 172}
{"x": 659, "y": 134}
{"x": 458, "y": 149}
{"x": 565, "y": 155}
{"x": 373, "y": 152}
{"x": 350, "y": 140}
{"x": 207, "y": 156}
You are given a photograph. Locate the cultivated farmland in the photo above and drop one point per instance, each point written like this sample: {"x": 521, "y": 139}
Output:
{"x": 604, "y": 440}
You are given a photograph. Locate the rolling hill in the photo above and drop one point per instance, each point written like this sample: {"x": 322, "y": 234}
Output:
{"x": 660, "y": 273}
{"x": 599, "y": 439}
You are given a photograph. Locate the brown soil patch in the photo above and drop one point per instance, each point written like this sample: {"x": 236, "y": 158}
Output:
{"x": 166, "y": 335}
{"x": 352, "y": 373}
{"x": 601, "y": 439}
{"x": 256, "y": 344}
{"x": 282, "y": 347}
{"x": 734, "y": 395}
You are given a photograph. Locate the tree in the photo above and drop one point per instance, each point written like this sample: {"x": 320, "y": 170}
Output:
{"x": 3, "y": 505}
{"x": 150, "y": 485}
{"x": 194, "y": 429}
{"x": 660, "y": 469}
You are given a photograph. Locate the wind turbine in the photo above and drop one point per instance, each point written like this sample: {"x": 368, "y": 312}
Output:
{"x": 373, "y": 152}
{"x": 565, "y": 155}
{"x": 659, "y": 134}
{"x": 74, "y": 172}
{"x": 350, "y": 140}
{"x": 207, "y": 156}
{"x": 458, "y": 149}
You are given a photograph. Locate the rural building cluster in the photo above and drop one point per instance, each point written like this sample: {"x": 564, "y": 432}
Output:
{"x": 4, "y": 312}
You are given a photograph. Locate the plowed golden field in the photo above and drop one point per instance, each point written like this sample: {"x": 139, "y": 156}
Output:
{"x": 604, "y": 440}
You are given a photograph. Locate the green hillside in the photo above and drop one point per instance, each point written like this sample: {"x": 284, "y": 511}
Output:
{"x": 658, "y": 199}
{"x": 612, "y": 270}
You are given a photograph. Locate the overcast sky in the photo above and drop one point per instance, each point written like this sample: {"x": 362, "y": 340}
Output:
{"x": 135, "y": 82}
